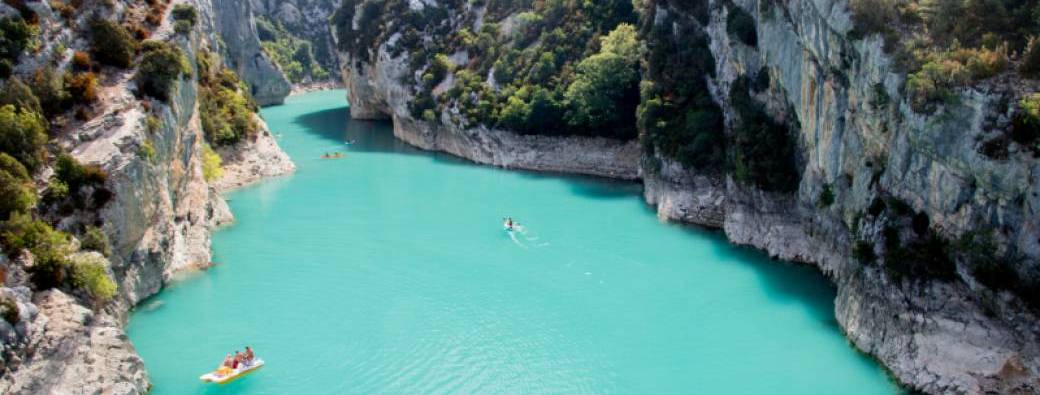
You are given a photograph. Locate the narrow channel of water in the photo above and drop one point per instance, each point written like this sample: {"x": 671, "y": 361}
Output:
{"x": 388, "y": 271}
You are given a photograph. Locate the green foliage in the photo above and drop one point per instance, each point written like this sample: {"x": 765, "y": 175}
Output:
{"x": 185, "y": 17}
{"x": 152, "y": 123}
{"x": 185, "y": 12}
{"x": 863, "y": 251}
{"x": 943, "y": 72}
{"x": 48, "y": 247}
{"x": 677, "y": 114}
{"x": 1025, "y": 124}
{"x": 15, "y": 37}
{"x": 211, "y": 169}
{"x": 947, "y": 44}
{"x": 15, "y": 92}
{"x": 741, "y": 26}
{"x": 94, "y": 239}
{"x": 161, "y": 66}
{"x": 89, "y": 272}
{"x": 17, "y": 194}
{"x": 22, "y": 135}
{"x": 9, "y": 311}
{"x": 826, "y": 196}
{"x": 519, "y": 81}
{"x": 294, "y": 55}
{"x": 146, "y": 151}
{"x": 1030, "y": 66}
{"x": 111, "y": 44}
{"x": 227, "y": 110}
{"x": 74, "y": 180}
{"x": 49, "y": 87}
{"x": 605, "y": 91}
{"x": 763, "y": 150}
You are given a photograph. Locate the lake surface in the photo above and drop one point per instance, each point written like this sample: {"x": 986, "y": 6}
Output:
{"x": 388, "y": 272}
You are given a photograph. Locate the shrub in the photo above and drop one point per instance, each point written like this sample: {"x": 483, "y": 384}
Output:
{"x": 186, "y": 13}
{"x": 1030, "y": 66}
{"x": 161, "y": 66}
{"x": 22, "y": 135}
{"x": 17, "y": 194}
{"x": 68, "y": 170}
{"x": 211, "y": 163}
{"x": 606, "y": 83}
{"x": 111, "y": 43}
{"x": 82, "y": 87}
{"x": 227, "y": 111}
{"x": 48, "y": 246}
{"x": 94, "y": 239}
{"x": 146, "y": 151}
{"x": 15, "y": 92}
{"x": 763, "y": 150}
{"x": 81, "y": 61}
{"x": 9, "y": 311}
{"x": 826, "y": 196}
{"x": 1025, "y": 124}
{"x": 152, "y": 123}
{"x": 49, "y": 87}
{"x": 15, "y": 36}
{"x": 90, "y": 273}
{"x": 741, "y": 26}
{"x": 863, "y": 251}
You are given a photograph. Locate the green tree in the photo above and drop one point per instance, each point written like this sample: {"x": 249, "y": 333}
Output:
{"x": 17, "y": 194}
{"x": 111, "y": 43}
{"x": 22, "y": 135}
{"x": 605, "y": 80}
{"x": 162, "y": 65}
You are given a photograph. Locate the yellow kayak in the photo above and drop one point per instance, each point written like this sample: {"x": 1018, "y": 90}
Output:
{"x": 217, "y": 377}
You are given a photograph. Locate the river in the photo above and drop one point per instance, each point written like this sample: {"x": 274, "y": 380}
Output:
{"x": 388, "y": 271}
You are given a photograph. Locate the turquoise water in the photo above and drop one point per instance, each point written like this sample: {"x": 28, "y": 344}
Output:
{"x": 388, "y": 271}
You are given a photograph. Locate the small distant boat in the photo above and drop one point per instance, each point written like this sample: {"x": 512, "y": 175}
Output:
{"x": 216, "y": 377}
{"x": 333, "y": 156}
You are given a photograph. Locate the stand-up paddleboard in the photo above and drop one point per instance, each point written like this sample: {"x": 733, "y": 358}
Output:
{"x": 214, "y": 377}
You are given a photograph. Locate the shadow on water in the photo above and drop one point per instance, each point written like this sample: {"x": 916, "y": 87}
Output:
{"x": 782, "y": 281}
{"x": 378, "y": 137}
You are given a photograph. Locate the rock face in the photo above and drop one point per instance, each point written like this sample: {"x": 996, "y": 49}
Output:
{"x": 158, "y": 221}
{"x": 858, "y": 139}
{"x": 236, "y": 27}
{"x": 252, "y": 160}
{"x": 308, "y": 19}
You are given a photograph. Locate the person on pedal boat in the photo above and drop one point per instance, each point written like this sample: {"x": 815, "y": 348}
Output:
{"x": 248, "y": 357}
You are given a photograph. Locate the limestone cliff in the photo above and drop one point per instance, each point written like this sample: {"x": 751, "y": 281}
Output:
{"x": 857, "y": 142}
{"x": 158, "y": 220}
{"x": 234, "y": 22}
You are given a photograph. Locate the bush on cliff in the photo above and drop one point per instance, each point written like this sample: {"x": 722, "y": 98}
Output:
{"x": 89, "y": 272}
{"x": 15, "y": 37}
{"x": 111, "y": 44}
{"x": 741, "y": 26}
{"x": 227, "y": 110}
{"x": 94, "y": 239}
{"x": 763, "y": 149}
{"x": 49, "y": 248}
{"x": 161, "y": 66}
{"x": 23, "y": 136}
{"x": 211, "y": 166}
{"x": 17, "y": 193}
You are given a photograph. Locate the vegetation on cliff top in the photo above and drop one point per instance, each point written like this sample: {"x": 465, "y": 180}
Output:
{"x": 294, "y": 55}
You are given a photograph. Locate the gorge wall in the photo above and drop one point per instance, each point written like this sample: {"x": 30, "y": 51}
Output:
{"x": 873, "y": 176}
{"x": 160, "y": 214}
